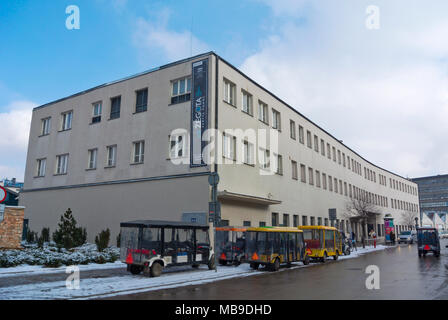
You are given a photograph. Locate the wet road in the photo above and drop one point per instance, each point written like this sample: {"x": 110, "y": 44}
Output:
{"x": 402, "y": 276}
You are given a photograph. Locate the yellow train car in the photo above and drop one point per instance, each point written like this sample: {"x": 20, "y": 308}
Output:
{"x": 322, "y": 242}
{"x": 273, "y": 246}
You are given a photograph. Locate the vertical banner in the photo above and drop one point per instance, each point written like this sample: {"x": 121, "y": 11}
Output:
{"x": 199, "y": 112}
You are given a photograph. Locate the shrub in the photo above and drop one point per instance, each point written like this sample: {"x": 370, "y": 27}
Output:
{"x": 68, "y": 235}
{"x": 102, "y": 240}
{"x": 119, "y": 240}
{"x": 45, "y": 234}
{"x": 31, "y": 236}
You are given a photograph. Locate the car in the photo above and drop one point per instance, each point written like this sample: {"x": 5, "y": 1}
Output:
{"x": 408, "y": 236}
{"x": 443, "y": 234}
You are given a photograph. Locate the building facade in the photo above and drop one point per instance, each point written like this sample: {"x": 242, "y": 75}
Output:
{"x": 132, "y": 149}
{"x": 433, "y": 195}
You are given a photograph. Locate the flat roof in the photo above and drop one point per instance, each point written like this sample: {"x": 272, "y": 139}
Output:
{"x": 317, "y": 227}
{"x": 241, "y": 73}
{"x": 430, "y": 177}
{"x": 273, "y": 229}
{"x": 160, "y": 224}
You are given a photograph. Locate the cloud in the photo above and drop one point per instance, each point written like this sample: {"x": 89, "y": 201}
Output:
{"x": 155, "y": 36}
{"x": 15, "y": 127}
{"x": 384, "y": 92}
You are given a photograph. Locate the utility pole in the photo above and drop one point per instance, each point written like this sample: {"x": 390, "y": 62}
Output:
{"x": 214, "y": 212}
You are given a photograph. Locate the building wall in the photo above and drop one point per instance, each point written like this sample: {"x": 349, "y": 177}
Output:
{"x": 298, "y": 198}
{"x": 105, "y": 206}
{"x": 99, "y": 198}
{"x": 11, "y": 228}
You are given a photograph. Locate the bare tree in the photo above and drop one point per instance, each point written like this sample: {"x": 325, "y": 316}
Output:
{"x": 359, "y": 209}
{"x": 408, "y": 218}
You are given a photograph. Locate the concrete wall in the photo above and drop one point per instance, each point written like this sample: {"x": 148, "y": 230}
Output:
{"x": 105, "y": 206}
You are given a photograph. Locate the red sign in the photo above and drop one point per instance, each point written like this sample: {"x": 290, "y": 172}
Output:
{"x": 2, "y": 194}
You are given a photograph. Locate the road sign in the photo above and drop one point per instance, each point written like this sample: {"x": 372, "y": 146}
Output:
{"x": 2, "y": 194}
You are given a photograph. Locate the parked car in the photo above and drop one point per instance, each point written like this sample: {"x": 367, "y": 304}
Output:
{"x": 443, "y": 234}
{"x": 407, "y": 236}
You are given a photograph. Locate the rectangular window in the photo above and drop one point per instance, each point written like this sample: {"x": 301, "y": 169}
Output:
{"x": 335, "y": 185}
{"x": 343, "y": 159}
{"x": 278, "y": 164}
{"x": 229, "y": 146}
{"x": 97, "y": 110}
{"x": 276, "y": 122}
{"x": 264, "y": 158}
{"x": 316, "y": 143}
{"x": 304, "y": 220}
{"x": 334, "y": 154}
{"x": 111, "y": 156}
{"x": 274, "y": 219}
{"x": 247, "y": 103}
{"x": 41, "y": 167}
{"x": 322, "y": 147}
{"x": 348, "y": 163}
{"x": 292, "y": 129}
{"x": 178, "y": 146}
{"x": 92, "y": 159}
{"x": 339, "y": 157}
{"x": 301, "y": 135}
{"x": 115, "y": 107}
{"x": 324, "y": 181}
{"x": 46, "y": 125}
{"x": 295, "y": 221}
{"x": 311, "y": 176}
{"x": 312, "y": 221}
{"x": 67, "y": 118}
{"x": 294, "y": 170}
{"x": 181, "y": 90}
{"x": 141, "y": 105}
{"x": 303, "y": 173}
{"x": 317, "y": 179}
{"x": 139, "y": 152}
{"x": 286, "y": 220}
{"x": 263, "y": 112}
{"x": 61, "y": 164}
{"x": 330, "y": 183}
{"x": 229, "y": 92}
{"x": 248, "y": 153}
{"x": 328, "y": 151}
{"x": 246, "y": 223}
{"x": 309, "y": 142}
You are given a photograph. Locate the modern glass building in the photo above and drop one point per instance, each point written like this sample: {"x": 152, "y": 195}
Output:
{"x": 433, "y": 197}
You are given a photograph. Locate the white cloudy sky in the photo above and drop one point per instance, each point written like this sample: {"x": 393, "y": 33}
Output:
{"x": 384, "y": 92}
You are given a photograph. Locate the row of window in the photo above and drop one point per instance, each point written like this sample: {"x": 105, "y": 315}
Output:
{"x": 180, "y": 92}
{"x": 177, "y": 149}
{"x": 312, "y": 141}
{"x": 315, "y": 177}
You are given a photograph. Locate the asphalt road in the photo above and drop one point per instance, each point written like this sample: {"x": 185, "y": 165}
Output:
{"x": 403, "y": 275}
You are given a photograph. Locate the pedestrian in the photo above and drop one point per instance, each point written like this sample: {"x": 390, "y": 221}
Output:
{"x": 354, "y": 241}
{"x": 392, "y": 237}
{"x": 374, "y": 239}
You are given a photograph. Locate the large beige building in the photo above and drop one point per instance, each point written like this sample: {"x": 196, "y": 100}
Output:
{"x": 123, "y": 151}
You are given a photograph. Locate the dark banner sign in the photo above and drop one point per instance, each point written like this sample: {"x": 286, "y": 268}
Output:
{"x": 199, "y": 112}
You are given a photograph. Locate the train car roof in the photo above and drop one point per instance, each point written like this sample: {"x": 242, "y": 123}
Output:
{"x": 274, "y": 229}
{"x": 160, "y": 224}
{"x": 317, "y": 227}
{"x": 228, "y": 228}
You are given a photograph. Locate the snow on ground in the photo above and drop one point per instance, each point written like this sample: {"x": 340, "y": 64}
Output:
{"x": 27, "y": 270}
{"x": 129, "y": 284}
